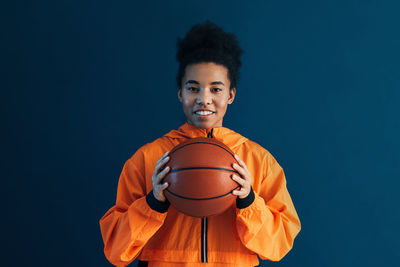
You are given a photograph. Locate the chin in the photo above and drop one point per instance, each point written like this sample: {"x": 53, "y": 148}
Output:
{"x": 204, "y": 125}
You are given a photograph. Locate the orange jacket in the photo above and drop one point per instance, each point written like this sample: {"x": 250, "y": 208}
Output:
{"x": 266, "y": 227}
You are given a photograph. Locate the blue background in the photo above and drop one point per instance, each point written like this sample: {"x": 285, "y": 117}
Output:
{"x": 86, "y": 83}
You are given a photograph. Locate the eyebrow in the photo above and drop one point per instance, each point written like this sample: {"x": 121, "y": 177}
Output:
{"x": 213, "y": 83}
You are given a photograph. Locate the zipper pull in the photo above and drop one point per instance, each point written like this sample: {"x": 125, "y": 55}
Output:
{"x": 210, "y": 133}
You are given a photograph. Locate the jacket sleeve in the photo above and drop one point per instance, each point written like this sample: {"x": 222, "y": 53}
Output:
{"x": 270, "y": 223}
{"x": 128, "y": 225}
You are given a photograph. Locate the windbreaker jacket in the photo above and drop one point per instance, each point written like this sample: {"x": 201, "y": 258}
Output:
{"x": 139, "y": 226}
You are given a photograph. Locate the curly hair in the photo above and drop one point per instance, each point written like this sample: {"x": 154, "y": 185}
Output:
{"x": 208, "y": 42}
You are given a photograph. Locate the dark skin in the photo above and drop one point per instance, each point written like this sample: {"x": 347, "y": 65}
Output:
{"x": 205, "y": 86}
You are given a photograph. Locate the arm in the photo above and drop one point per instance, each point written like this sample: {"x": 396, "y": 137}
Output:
{"x": 134, "y": 219}
{"x": 266, "y": 219}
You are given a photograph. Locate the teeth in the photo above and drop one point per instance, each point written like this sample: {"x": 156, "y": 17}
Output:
{"x": 203, "y": 112}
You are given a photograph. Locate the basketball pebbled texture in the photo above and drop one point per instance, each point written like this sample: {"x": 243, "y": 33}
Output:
{"x": 200, "y": 183}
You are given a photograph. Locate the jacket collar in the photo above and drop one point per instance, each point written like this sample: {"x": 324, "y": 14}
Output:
{"x": 223, "y": 134}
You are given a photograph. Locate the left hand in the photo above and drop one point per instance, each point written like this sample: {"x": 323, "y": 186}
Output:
{"x": 244, "y": 181}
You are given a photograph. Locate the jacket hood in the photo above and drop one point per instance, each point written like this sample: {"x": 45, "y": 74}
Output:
{"x": 230, "y": 138}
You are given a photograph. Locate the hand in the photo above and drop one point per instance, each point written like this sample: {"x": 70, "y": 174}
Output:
{"x": 158, "y": 175}
{"x": 244, "y": 181}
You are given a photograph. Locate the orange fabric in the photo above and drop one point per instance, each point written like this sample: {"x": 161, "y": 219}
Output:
{"x": 267, "y": 228}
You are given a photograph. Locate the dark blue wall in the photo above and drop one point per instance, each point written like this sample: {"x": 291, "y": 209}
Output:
{"x": 86, "y": 83}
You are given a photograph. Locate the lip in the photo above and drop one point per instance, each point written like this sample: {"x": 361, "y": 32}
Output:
{"x": 203, "y": 109}
{"x": 203, "y": 117}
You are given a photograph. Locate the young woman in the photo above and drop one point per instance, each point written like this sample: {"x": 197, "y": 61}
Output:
{"x": 143, "y": 225}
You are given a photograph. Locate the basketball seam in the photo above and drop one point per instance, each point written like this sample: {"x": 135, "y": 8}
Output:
{"x": 201, "y": 142}
{"x": 208, "y": 198}
{"x": 203, "y": 168}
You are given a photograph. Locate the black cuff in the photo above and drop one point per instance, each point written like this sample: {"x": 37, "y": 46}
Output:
{"x": 242, "y": 203}
{"x": 156, "y": 205}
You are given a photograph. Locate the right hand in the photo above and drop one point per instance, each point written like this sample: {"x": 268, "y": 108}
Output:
{"x": 158, "y": 175}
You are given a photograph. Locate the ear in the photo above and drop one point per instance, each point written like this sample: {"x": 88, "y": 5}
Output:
{"x": 180, "y": 95}
{"x": 232, "y": 93}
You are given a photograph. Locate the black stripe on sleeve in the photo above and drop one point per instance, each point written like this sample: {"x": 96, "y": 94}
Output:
{"x": 156, "y": 205}
{"x": 242, "y": 203}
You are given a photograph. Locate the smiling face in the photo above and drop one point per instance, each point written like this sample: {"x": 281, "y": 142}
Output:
{"x": 205, "y": 94}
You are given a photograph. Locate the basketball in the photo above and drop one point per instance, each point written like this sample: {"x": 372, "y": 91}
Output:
{"x": 200, "y": 183}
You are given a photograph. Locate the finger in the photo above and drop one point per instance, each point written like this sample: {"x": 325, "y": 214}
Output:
{"x": 160, "y": 160}
{"x": 160, "y": 164}
{"x": 162, "y": 157}
{"x": 161, "y": 175}
{"x": 239, "y": 180}
{"x": 241, "y": 162}
{"x": 156, "y": 174}
{"x": 162, "y": 187}
{"x": 241, "y": 170}
{"x": 163, "y": 162}
{"x": 238, "y": 193}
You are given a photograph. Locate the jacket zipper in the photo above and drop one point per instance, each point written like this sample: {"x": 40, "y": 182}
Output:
{"x": 204, "y": 239}
{"x": 204, "y": 225}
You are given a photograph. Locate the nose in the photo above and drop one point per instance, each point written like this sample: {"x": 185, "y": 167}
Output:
{"x": 204, "y": 98}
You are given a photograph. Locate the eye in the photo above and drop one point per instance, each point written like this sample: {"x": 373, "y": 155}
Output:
{"x": 192, "y": 89}
{"x": 217, "y": 89}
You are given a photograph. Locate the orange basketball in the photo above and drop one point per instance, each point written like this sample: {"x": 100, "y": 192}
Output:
{"x": 199, "y": 179}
